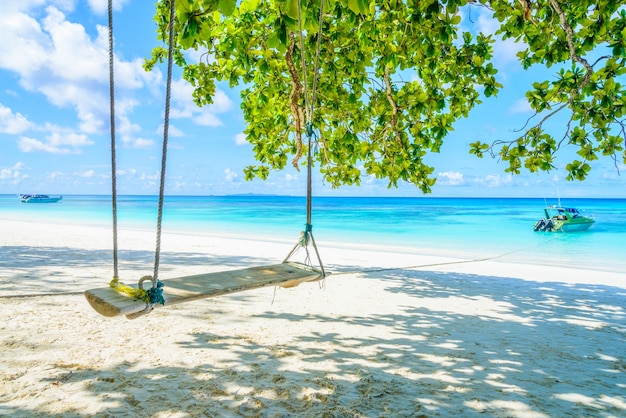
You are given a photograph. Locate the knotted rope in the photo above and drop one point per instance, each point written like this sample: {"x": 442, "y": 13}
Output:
{"x": 154, "y": 295}
{"x": 306, "y": 236}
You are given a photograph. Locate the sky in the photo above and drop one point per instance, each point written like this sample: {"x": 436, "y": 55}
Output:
{"x": 54, "y": 119}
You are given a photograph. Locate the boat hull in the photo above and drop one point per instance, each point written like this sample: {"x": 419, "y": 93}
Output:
{"x": 576, "y": 227}
{"x": 25, "y": 198}
{"x": 560, "y": 219}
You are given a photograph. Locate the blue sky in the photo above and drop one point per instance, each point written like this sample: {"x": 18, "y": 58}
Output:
{"x": 54, "y": 108}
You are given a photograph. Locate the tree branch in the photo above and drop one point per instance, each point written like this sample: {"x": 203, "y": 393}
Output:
{"x": 569, "y": 34}
{"x": 294, "y": 98}
{"x": 394, "y": 106}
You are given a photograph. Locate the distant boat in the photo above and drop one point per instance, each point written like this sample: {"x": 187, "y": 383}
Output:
{"x": 39, "y": 198}
{"x": 562, "y": 219}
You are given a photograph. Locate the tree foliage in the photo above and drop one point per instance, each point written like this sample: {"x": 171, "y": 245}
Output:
{"x": 378, "y": 85}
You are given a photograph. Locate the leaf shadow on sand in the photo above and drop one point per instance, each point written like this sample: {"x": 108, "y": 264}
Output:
{"x": 33, "y": 270}
{"x": 460, "y": 345}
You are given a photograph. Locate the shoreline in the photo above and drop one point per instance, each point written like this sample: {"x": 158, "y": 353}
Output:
{"x": 503, "y": 234}
{"x": 333, "y": 253}
{"x": 451, "y": 338}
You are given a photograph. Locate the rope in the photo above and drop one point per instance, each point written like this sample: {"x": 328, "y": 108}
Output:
{"x": 303, "y": 60}
{"x": 39, "y": 295}
{"x": 309, "y": 186}
{"x": 155, "y": 294}
{"x": 113, "y": 157}
{"x": 309, "y": 99}
{"x": 309, "y": 116}
{"x": 317, "y": 59}
{"x": 447, "y": 263}
{"x": 306, "y": 236}
{"x": 151, "y": 296}
{"x": 168, "y": 93}
{"x": 133, "y": 292}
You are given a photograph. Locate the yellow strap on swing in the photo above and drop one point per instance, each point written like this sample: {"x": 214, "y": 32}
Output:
{"x": 133, "y": 292}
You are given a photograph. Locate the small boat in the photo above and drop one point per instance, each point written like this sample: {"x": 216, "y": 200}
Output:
{"x": 39, "y": 198}
{"x": 562, "y": 219}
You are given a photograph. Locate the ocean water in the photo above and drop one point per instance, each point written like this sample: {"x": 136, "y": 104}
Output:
{"x": 471, "y": 228}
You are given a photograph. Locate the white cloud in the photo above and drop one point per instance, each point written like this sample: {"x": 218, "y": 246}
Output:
{"x": 173, "y": 131}
{"x": 74, "y": 57}
{"x": 129, "y": 172}
{"x": 486, "y": 22}
{"x": 86, "y": 174}
{"x": 60, "y": 60}
{"x": 27, "y": 144}
{"x": 137, "y": 142}
{"x": 70, "y": 139}
{"x": 57, "y": 142}
{"x": 450, "y": 178}
{"x": 12, "y": 123}
{"x": 143, "y": 143}
{"x": 521, "y": 106}
{"x": 56, "y": 174}
{"x": 184, "y": 107}
{"x": 495, "y": 180}
{"x": 240, "y": 139}
{"x": 230, "y": 175}
{"x": 371, "y": 180}
{"x": 207, "y": 119}
{"x": 23, "y": 42}
{"x": 151, "y": 177}
{"x": 13, "y": 173}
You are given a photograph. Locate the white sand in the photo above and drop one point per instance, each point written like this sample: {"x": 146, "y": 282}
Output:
{"x": 464, "y": 339}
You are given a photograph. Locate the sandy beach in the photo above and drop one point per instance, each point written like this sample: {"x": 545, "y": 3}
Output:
{"x": 386, "y": 334}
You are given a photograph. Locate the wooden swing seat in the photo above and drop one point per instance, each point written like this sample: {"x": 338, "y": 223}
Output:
{"x": 109, "y": 302}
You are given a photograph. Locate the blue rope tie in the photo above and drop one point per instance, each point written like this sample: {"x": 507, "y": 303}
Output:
{"x": 309, "y": 130}
{"x": 156, "y": 294}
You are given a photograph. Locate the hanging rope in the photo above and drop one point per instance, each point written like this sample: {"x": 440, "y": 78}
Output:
{"x": 309, "y": 128}
{"x": 154, "y": 295}
{"x": 166, "y": 124}
{"x": 113, "y": 157}
{"x": 309, "y": 100}
{"x": 306, "y": 236}
{"x": 115, "y": 282}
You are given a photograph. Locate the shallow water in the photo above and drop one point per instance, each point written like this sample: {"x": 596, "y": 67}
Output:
{"x": 465, "y": 227}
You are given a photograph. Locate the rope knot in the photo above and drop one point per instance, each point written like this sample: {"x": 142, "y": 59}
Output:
{"x": 310, "y": 132}
{"x": 133, "y": 292}
{"x": 155, "y": 294}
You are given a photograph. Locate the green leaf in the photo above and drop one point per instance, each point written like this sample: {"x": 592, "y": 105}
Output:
{"x": 290, "y": 8}
{"x": 249, "y": 5}
{"x": 226, "y": 7}
{"x": 359, "y": 6}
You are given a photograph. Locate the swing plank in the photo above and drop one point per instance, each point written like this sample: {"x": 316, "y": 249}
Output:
{"x": 109, "y": 302}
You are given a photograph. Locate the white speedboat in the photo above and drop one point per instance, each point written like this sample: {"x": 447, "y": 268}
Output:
{"x": 39, "y": 198}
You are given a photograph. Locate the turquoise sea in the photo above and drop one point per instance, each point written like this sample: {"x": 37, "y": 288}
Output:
{"x": 470, "y": 228}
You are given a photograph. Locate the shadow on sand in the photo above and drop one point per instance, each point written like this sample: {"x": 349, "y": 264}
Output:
{"x": 466, "y": 346}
